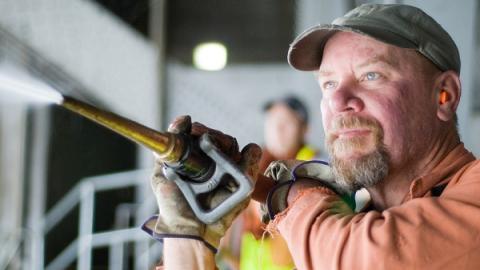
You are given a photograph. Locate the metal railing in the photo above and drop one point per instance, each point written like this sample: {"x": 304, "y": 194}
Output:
{"x": 82, "y": 195}
{"x": 11, "y": 243}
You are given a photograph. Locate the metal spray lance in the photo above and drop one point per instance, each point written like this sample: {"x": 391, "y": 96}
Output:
{"x": 197, "y": 169}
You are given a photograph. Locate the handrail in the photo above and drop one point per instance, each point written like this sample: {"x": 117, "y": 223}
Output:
{"x": 100, "y": 183}
{"x": 10, "y": 245}
{"x": 102, "y": 239}
{"x": 83, "y": 194}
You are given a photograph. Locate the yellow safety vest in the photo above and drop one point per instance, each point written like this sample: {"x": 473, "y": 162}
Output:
{"x": 306, "y": 153}
{"x": 257, "y": 254}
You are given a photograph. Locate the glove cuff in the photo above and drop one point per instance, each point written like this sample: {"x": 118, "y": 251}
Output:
{"x": 278, "y": 194}
{"x": 153, "y": 227}
{"x": 315, "y": 169}
{"x": 287, "y": 172}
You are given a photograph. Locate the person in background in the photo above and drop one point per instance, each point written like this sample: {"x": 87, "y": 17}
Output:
{"x": 245, "y": 247}
{"x": 285, "y": 130}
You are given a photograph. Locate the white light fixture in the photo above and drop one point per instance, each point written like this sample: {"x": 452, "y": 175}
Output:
{"x": 210, "y": 56}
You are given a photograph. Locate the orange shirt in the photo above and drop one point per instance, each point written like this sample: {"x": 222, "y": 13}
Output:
{"x": 424, "y": 232}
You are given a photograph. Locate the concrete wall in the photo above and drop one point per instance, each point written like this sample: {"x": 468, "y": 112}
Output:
{"x": 232, "y": 99}
{"x": 116, "y": 64}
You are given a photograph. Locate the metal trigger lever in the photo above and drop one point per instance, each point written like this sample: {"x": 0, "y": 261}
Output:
{"x": 224, "y": 170}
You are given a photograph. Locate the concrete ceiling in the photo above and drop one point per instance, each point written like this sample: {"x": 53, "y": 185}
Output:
{"x": 253, "y": 31}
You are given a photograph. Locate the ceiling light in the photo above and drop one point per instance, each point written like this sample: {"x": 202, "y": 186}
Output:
{"x": 210, "y": 56}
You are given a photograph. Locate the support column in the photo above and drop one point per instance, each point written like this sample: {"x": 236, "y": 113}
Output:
{"x": 12, "y": 167}
{"x": 37, "y": 173}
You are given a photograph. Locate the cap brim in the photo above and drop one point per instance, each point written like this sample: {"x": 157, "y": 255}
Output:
{"x": 306, "y": 51}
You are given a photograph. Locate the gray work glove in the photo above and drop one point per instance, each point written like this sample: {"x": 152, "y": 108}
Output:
{"x": 176, "y": 219}
{"x": 286, "y": 172}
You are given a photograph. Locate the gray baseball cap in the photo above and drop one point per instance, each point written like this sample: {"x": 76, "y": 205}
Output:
{"x": 400, "y": 25}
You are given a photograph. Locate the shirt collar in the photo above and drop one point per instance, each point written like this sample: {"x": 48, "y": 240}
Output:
{"x": 440, "y": 174}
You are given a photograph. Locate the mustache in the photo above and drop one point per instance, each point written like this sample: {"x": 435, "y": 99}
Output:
{"x": 352, "y": 121}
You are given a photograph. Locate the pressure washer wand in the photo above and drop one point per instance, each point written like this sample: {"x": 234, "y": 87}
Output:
{"x": 171, "y": 148}
{"x": 196, "y": 167}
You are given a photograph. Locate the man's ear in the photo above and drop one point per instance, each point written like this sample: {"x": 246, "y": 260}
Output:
{"x": 448, "y": 92}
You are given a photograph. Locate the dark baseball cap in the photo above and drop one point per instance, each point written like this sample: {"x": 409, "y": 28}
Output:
{"x": 399, "y": 25}
{"x": 293, "y": 103}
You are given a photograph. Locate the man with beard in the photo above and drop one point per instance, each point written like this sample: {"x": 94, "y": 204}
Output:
{"x": 389, "y": 75}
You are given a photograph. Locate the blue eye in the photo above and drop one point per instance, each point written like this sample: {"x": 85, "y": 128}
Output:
{"x": 329, "y": 85}
{"x": 371, "y": 76}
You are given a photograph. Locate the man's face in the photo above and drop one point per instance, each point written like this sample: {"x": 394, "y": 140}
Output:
{"x": 284, "y": 131}
{"x": 378, "y": 107}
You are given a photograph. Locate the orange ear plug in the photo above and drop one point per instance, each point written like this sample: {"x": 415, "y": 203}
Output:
{"x": 443, "y": 97}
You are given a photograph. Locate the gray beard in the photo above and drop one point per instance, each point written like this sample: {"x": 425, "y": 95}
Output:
{"x": 364, "y": 172}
